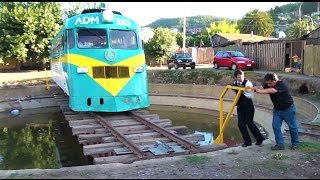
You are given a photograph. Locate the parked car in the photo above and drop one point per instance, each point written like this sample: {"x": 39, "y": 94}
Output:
{"x": 181, "y": 59}
{"x": 233, "y": 60}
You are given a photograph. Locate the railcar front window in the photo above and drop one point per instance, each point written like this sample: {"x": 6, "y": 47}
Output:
{"x": 98, "y": 72}
{"x": 123, "y": 72}
{"x": 110, "y": 72}
{"x": 92, "y": 38}
{"x": 123, "y": 39}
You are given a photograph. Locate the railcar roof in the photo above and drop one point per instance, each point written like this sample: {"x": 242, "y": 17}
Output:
{"x": 97, "y": 10}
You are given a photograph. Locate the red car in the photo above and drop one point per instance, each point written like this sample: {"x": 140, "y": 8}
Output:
{"x": 233, "y": 60}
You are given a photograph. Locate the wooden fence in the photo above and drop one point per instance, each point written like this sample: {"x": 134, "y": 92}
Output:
{"x": 311, "y": 60}
{"x": 268, "y": 56}
{"x": 204, "y": 55}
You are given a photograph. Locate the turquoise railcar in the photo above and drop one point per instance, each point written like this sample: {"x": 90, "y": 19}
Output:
{"x": 97, "y": 58}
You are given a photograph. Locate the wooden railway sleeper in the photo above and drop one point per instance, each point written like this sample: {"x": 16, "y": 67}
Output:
{"x": 128, "y": 143}
{"x": 186, "y": 144}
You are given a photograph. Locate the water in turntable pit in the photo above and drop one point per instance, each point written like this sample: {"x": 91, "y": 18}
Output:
{"x": 41, "y": 138}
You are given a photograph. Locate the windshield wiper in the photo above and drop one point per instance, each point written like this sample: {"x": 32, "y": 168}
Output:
{"x": 95, "y": 34}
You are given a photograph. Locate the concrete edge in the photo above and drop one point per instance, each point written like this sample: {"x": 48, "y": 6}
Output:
{"x": 308, "y": 110}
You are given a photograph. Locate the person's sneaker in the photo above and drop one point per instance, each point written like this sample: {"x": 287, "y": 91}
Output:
{"x": 274, "y": 148}
{"x": 293, "y": 147}
{"x": 245, "y": 145}
{"x": 259, "y": 143}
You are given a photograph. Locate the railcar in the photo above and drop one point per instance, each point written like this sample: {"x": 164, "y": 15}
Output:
{"x": 97, "y": 58}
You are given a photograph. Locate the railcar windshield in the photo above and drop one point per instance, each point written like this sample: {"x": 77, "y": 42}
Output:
{"x": 92, "y": 38}
{"x": 123, "y": 39}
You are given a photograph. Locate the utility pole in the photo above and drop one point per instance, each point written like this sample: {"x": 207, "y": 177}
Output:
{"x": 300, "y": 19}
{"x": 318, "y": 11}
{"x": 184, "y": 35}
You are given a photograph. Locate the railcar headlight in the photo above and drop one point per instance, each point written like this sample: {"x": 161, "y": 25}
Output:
{"x": 138, "y": 69}
{"x": 81, "y": 70}
{"x": 108, "y": 15}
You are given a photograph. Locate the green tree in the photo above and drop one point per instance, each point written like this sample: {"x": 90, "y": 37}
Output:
{"x": 223, "y": 27}
{"x": 295, "y": 28}
{"x": 73, "y": 8}
{"x": 161, "y": 45}
{"x": 45, "y": 24}
{"x": 26, "y": 29}
{"x": 275, "y": 13}
{"x": 201, "y": 39}
{"x": 179, "y": 37}
{"x": 259, "y": 22}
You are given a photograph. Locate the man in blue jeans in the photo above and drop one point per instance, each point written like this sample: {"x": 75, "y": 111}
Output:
{"x": 284, "y": 109}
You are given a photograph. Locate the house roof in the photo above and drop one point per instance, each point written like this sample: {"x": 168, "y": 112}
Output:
{"x": 244, "y": 37}
{"x": 315, "y": 30}
{"x": 306, "y": 36}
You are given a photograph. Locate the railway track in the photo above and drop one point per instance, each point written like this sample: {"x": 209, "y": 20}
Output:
{"x": 130, "y": 136}
{"x": 310, "y": 130}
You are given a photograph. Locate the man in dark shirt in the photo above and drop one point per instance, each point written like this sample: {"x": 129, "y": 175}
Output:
{"x": 284, "y": 109}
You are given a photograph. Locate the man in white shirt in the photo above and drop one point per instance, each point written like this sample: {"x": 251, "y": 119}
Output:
{"x": 245, "y": 111}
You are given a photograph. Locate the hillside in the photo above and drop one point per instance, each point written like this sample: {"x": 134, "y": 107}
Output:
{"x": 283, "y": 16}
{"x": 193, "y": 22}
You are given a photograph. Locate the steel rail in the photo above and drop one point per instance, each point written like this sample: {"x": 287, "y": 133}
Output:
{"x": 128, "y": 143}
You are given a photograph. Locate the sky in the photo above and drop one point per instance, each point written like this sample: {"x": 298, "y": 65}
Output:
{"x": 147, "y": 12}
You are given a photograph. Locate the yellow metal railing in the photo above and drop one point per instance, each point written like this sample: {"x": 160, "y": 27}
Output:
{"x": 224, "y": 122}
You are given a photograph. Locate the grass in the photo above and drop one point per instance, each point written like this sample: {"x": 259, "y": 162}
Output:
{"x": 309, "y": 147}
{"x": 194, "y": 76}
{"x": 279, "y": 156}
{"x": 196, "y": 159}
{"x": 17, "y": 176}
{"x": 275, "y": 165}
{"x": 12, "y": 176}
{"x": 316, "y": 96}
{"x": 265, "y": 165}
{"x": 84, "y": 174}
{"x": 54, "y": 175}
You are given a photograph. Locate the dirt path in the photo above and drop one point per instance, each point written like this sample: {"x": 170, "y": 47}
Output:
{"x": 237, "y": 162}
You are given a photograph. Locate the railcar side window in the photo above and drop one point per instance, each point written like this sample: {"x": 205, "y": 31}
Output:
{"x": 123, "y": 39}
{"x": 57, "y": 46}
{"x": 92, "y": 38}
{"x": 70, "y": 39}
